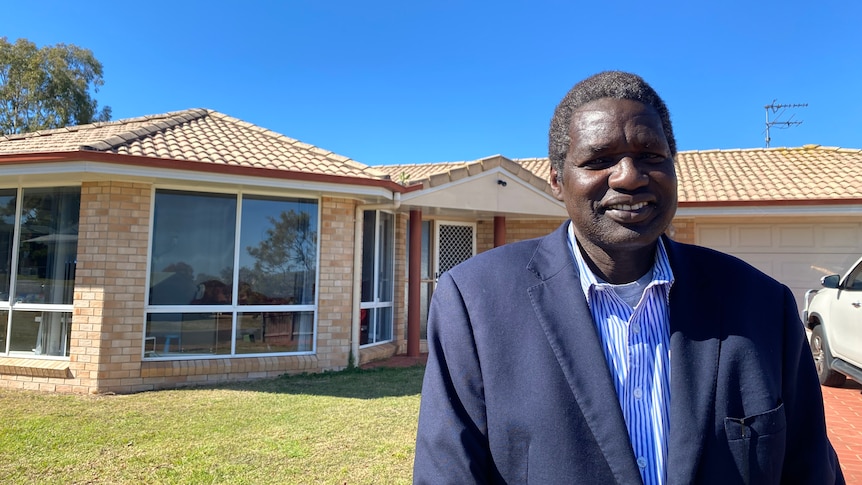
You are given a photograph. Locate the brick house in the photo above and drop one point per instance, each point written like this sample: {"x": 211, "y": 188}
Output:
{"x": 192, "y": 247}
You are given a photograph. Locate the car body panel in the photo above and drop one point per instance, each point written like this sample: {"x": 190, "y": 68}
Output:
{"x": 838, "y": 307}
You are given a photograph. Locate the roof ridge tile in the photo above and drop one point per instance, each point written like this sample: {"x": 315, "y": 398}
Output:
{"x": 158, "y": 123}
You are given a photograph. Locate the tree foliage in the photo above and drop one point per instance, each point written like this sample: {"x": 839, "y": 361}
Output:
{"x": 290, "y": 245}
{"x": 286, "y": 260}
{"x": 48, "y": 87}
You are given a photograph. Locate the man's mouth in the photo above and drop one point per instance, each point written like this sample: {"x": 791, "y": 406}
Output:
{"x": 633, "y": 213}
{"x": 627, "y": 207}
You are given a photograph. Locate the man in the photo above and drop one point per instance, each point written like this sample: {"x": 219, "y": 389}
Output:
{"x": 607, "y": 353}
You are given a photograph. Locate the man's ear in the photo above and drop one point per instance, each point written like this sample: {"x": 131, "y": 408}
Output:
{"x": 556, "y": 186}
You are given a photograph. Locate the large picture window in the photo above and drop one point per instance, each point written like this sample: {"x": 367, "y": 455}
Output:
{"x": 231, "y": 275}
{"x": 37, "y": 273}
{"x": 378, "y": 258}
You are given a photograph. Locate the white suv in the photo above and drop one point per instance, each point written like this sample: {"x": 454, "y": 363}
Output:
{"x": 834, "y": 316}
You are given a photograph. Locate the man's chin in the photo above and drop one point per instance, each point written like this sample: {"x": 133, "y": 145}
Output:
{"x": 633, "y": 237}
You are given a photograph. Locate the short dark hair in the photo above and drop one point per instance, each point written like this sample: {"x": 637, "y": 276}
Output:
{"x": 607, "y": 84}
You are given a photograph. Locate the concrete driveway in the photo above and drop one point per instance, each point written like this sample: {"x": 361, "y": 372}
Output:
{"x": 843, "y": 407}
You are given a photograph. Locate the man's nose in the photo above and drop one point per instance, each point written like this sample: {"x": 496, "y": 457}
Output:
{"x": 627, "y": 175}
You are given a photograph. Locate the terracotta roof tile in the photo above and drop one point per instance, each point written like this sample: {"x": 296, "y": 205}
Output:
{"x": 809, "y": 172}
{"x": 198, "y": 135}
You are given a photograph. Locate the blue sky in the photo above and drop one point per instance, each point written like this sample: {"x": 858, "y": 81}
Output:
{"x": 388, "y": 82}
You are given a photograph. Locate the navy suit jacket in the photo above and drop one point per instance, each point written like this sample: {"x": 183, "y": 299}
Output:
{"x": 517, "y": 389}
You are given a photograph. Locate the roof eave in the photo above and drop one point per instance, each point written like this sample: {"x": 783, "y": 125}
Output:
{"x": 849, "y": 207}
{"x": 769, "y": 203}
{"x": 191, "y": 165}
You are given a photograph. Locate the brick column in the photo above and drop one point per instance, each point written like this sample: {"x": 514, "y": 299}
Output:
{"x": 336, "y": 283}
{"x": 399, "y": 296}
{"x": 108, "y": 311}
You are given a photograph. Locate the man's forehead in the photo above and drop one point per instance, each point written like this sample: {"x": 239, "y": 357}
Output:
{"x": 605, "y": 109}
{"x": 596, "y": 116}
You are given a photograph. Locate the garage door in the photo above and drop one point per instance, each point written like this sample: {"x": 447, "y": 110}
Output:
{"x": 796, "y": 254}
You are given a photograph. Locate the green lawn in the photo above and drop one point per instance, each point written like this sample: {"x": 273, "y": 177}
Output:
{"x": 350, "y": 427}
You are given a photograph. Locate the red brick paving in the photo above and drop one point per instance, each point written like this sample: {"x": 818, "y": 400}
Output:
{"x": 843, "y": 406}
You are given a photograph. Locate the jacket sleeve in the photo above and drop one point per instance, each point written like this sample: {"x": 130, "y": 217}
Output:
{"x": 809, "y": 457}
{"x": 451, "y": 443}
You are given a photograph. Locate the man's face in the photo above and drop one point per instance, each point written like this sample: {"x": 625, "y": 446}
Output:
{"x": 618, "y": 180}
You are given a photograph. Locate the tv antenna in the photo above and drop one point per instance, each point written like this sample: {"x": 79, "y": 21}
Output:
{"x": 778, "y": 110}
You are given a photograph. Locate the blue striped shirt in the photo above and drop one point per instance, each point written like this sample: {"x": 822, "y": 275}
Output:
{"x": 636, "y": 343}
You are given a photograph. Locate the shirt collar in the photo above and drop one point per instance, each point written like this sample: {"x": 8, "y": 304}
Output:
{"x": 661, "y": 271}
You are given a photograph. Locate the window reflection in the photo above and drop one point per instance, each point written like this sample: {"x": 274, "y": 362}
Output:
{"x": 207, "y": 333}
{"x": 195, "y": 246}
{"x": 37, "y": 288}
{"x": 4, "y": 321}
{"x": 266, "y": 332}
{"x": 278, "y": 251}
{"x": 193, "y": 249}
{"x": 8, "y": 200}
{"x": 49, "y": 245}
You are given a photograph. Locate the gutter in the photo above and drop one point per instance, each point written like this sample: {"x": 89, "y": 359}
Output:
{"x": 357, "y": 267}
{"x": 149, "y": 163}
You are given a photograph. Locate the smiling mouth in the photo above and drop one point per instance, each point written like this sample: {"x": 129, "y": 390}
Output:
{"x": 627, "y": 207}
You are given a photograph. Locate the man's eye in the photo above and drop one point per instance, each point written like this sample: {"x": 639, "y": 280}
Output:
{"x": 597, "y": 163}
{"x": 652, "y": 157}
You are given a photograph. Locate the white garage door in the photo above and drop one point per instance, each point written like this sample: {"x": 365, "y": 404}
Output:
{"x": 796, "y": 254}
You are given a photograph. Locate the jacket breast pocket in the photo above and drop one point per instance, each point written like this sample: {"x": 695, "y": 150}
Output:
{"x": 757, "y": 445}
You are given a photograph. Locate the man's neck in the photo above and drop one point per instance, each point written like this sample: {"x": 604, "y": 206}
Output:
{"x": 618, "y": 266}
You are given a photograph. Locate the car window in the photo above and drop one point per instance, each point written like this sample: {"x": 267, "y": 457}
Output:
{"x": 854, "y": 282}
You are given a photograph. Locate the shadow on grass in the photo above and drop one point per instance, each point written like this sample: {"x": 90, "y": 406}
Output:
{"x": 351, "y": 383}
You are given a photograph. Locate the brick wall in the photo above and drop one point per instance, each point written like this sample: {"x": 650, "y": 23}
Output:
{"x": 108, "y": 311}
{"x": 682, "y": 230}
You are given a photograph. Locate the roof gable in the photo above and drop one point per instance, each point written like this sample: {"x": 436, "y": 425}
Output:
{"x": 490, "y": 185}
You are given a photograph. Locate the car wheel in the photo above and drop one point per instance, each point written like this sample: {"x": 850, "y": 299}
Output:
{"x": 823, "y": 359}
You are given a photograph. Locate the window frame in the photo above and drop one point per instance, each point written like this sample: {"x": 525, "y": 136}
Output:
{"x": 234, "y": 309}
{"x": 375, "y": 306}
{"x": 13, "y": 306}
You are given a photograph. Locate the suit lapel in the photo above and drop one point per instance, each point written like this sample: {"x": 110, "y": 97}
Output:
{"x": 562, "y": 311}
{"x": 695, "y": 324}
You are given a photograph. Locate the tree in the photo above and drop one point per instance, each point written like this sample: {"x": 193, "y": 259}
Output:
{"x": 48, "y": 87}
{"x": 286, "y": 260}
